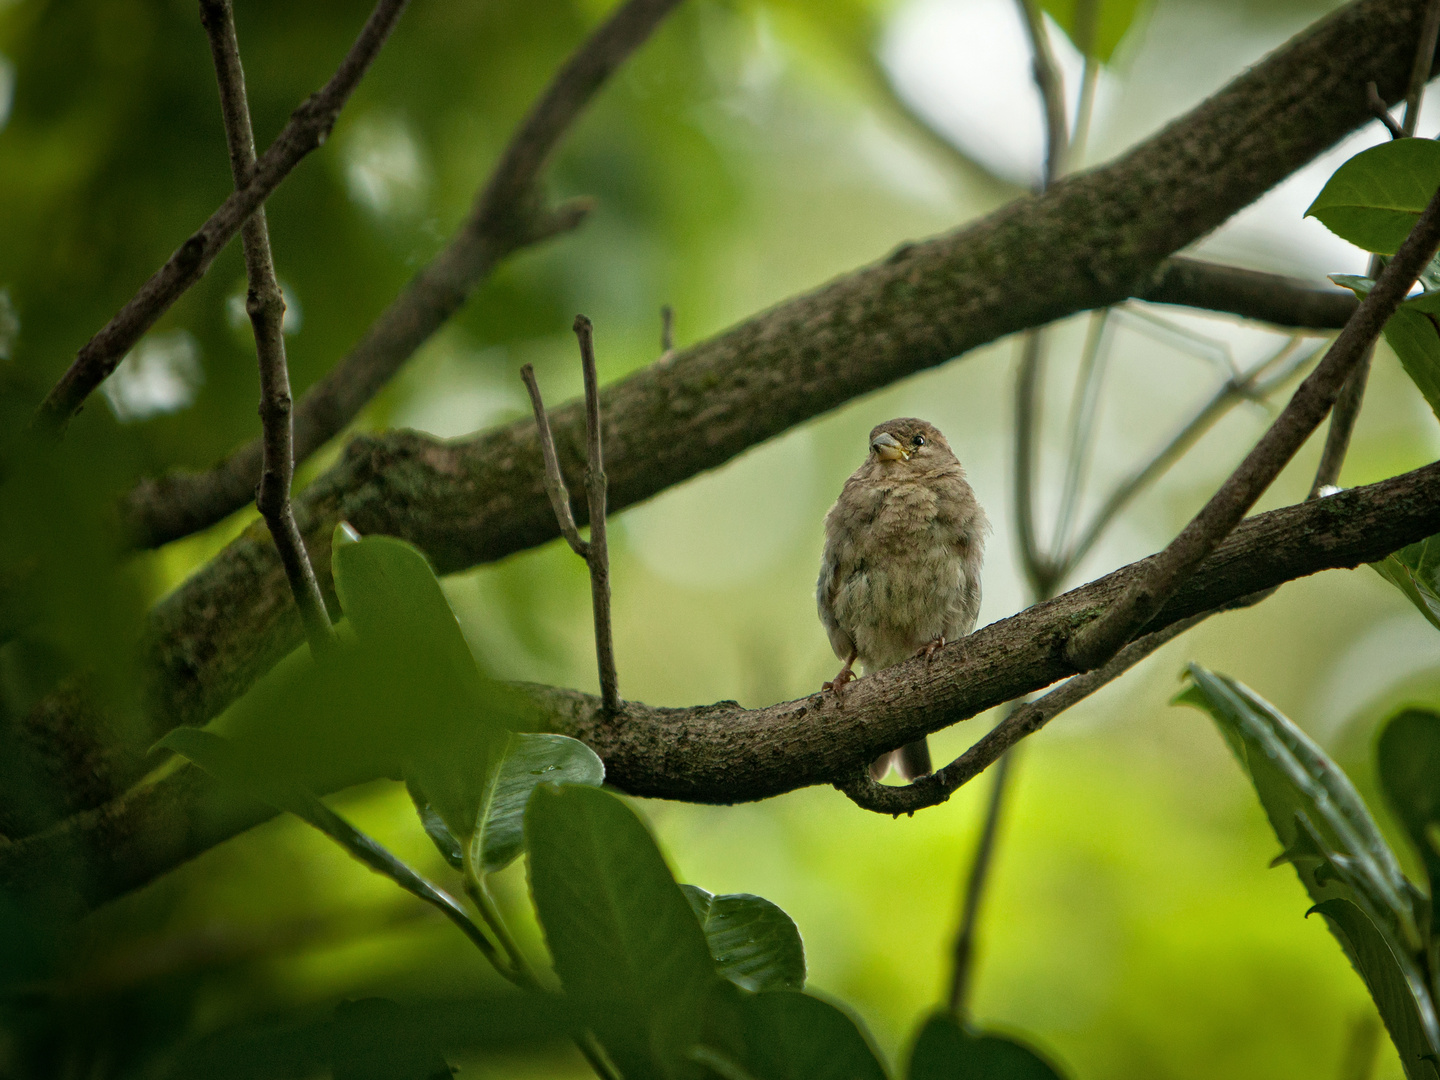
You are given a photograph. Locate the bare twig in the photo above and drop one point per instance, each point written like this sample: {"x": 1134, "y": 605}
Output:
{"x": 667, "y": 330}
{"x": 1052, "y": 92}
{"x": 1102, "y": 638}
{"x": 1247, "y": 387}
{"x": 1381, "y": 111}
{"x": 508, "y": 214}
{"x": 1250, "y": 294}
{"x": 1084, "y": 406}
{"x": 554, "y": 480}
{"x": 963, "y": 954}
{"x": 598, "y": 556}
{"x": 1023, "y": 721}
{"x": 1420, "y": 70}
{"x": 266, "y": 306}
{"x": 1037, "y": 568}
{"x": 595, "y": 553}
{"x": 307, "y": 129}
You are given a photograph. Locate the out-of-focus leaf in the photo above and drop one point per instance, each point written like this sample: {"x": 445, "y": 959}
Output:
{"x": 626, "y": 945}
{"x": 1413, "y": 334}
{"x": 1095, "y": 26}
{"x": 787, "y": 1035}
{"x": 1375, "y": 198}
{"x": 947, "y": 1050}
{"x": 530, "y": 759}
{"x": 1407, "y": 756}
{"x": 753, "y": 942}
{"x": 1394, "y": 981}
{"x": 1415, "y": 571}
{"x": 363, "y": 1047}
{"x": 236, "y": 765}
{"x": 1323, "y": 825}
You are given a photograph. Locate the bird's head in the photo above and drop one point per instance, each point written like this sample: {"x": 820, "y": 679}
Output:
{"x": 909, "y": 443}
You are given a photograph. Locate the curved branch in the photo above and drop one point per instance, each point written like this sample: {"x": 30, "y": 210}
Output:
{"x": 508, "y": 215}
{"x": 309, "y": 126}
{"x": 1269, "y": 298}
{"x": 723, "y": 753}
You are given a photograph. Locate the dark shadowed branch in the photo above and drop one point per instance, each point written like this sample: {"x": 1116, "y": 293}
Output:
{"x": 1095, "y": 643}
{"x": 265, "y": 305}
{"x": 723, "y": 753}
{"x": 509, "y": 214}
{"x": 308, "y": 128}
{"x": 595, "y": 553}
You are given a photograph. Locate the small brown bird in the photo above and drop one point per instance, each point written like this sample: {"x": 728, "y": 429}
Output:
{"x": 901, "y": 571}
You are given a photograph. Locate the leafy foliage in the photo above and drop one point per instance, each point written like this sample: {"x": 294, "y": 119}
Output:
{"x": 1407, "y": 756}
{"x": 1380, "y": 919}
{"x": 1413, "y": 333}
{"x": 1374, "y": 199}
{"x": 1415, "y": 571}
{"x": 948, "y": 1050}
{"x": 753, "y": 943}
{"x": 1095, "y": 26}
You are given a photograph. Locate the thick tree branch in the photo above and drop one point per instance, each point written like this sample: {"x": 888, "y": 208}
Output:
{"x": 1098, "y": 642}
{"x": 265, "y": 304}
{"x": 1092, "y": 240}
{"x": 509, "y": 214}
{"x": 309, "y": 126}
{"x": 723, "y": 753}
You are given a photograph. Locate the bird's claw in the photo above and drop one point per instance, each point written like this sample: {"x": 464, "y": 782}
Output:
{"x": 929, "y": 649}
{"x": 837, "y": 684}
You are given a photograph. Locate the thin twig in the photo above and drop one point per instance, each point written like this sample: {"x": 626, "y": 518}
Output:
{"x": 1251, "y": 294}
{"x": 1381, "y": 111}
{"x": 1420, "y": 70}
{"x": 1084, "y": 405}
{"x": 554, "y": 480}
{"x": 308, "y": 128}
{"x": 1052, "y": 92}
{"x": 508, "y": 215}
{"x": 1101, "y": 639}
{"x": 1247, "y": 387}
{"x": 1027, "y": 427}
{"x": 1024, "y": 721}
{"x": 265, "y": 304}
{"x": 964, "y": 951}
{"x": 667, "y": 330}
{"x": 599, "y": 555}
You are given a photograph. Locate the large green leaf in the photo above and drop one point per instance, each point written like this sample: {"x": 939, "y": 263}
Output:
{"x": 1415, "y": 571}
{"x": 1375, "y": 198}
{"x": 753, "y": 942}
{"x": 947, "y": 1050}
{"x": 529, "y": 760}
{"x": 787, "y": 1035}
{"x": 1407, "y": 756}
{"x": 1095, "y": 26}
{"x": 626, "y": 945}
{"x": 363, "y": 1046}
{"x": 1394, "y": 981}
{"x": 1325, "y": 829}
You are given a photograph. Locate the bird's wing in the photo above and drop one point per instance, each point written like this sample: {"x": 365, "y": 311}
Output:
{"x": 825, "y": 587}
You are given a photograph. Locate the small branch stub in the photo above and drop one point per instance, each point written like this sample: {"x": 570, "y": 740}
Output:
{"x": 595, "y": 552}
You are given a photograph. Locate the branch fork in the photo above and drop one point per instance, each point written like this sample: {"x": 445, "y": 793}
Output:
{"x": 595, "y": 551}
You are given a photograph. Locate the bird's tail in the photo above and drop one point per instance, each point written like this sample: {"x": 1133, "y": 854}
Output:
{"x": 912, "y": 759}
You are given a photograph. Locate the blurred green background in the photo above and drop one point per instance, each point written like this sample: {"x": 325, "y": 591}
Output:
{"x": 752, "y": 150}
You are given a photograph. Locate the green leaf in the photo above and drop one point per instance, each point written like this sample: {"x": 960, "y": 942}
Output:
{"x": 787, "y": 1035}
{"x": 947, "y": 1050}
{"x": 1323, "y": 825}
{"x": 363, "y": 1049}
{"x": 1415, "y": 571}
{"x": 529, "y": 760}
{"x": 1394, "y": 982}
{"x": 1108, "y": 22}
{"x": 238, "y": 766}
{"x": 1375, "y": 198}
{"x": 753, "y": 942}
{"x": 1407, "y": 756}
{"x": 1413, "y": 334}
{"x": 435, "y": 828}
{"x": 626, "y": 945}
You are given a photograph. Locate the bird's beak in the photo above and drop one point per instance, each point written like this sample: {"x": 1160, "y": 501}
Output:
{"x": 888, "y": 448}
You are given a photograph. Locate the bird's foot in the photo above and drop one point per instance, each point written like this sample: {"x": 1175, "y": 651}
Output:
{"x": 929, "y": 649}
{"x": 837, "y": 684}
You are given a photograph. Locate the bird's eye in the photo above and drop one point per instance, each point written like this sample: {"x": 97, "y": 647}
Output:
{"x": 918, "y": 440}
